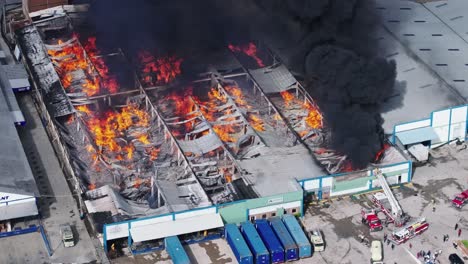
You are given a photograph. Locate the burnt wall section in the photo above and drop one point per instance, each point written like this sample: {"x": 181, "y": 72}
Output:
{"x": 36, "y": 5}
{"x": 43, "y": 72}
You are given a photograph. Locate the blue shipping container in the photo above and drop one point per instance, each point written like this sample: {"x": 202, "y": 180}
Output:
{"x": 292, "y": 253}
{"x": 238, "y": 244}
{"x": 270, "y": 240}
{"x": 260, "y": 252}
{"x": 305, "y": 248}
{"x": 175, "y": 250}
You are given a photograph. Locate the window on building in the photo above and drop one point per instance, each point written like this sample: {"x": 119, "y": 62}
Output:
{"x": 294, "y": 210}
{"x": 252, "y": 218}
{"x": 263, "y": 216}
{"x": 273, "y": 214}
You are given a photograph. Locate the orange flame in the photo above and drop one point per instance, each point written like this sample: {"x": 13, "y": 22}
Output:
{"x": 249, "y": 50}
{"x": 313, "y": 118}
{"x": 159, "y": 71}
{"x": 144, "y": 139}
{"x": 287, "y": 97}
{"x": 137, "y": 183}
{"x": 216, "y": 94}
{"x": 238, "y": 96}
{"x": 130, "y": 150}
{"x": 224, "y": 132}
{"x": 72, "y": 58}
{"x": 109, "y": 82}
{"x": 107, "y": 129}
{"x": 153, "y": 153}
{"x": 84, "y": 109}
{"x": 379, "y": 154}
{"x": 347, "y": 166}
{"x": 256, "y": 122}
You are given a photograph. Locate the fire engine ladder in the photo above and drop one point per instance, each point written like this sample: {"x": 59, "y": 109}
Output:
{"x": 396, "y": 209}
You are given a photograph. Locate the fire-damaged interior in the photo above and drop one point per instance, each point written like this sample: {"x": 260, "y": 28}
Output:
{"x": 144, "y": 140}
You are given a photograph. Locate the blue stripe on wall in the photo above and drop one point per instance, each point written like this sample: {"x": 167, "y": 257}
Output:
{"x": 449, "y": 125}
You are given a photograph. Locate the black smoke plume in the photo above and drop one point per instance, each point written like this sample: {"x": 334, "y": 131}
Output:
{"x": 330, "y": 43}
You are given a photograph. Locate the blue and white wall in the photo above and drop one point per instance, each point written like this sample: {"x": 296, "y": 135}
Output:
{"x": 355, "y": 182}
{"x": 448, "y": 124}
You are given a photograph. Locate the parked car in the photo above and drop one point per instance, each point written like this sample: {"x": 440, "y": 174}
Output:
{"x": 460, "y": 199}
{"x": 455, "y": 259}
{"x": 376, "y": 252}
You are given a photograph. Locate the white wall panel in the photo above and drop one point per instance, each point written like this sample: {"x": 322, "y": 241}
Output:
{"x": 273, "y": 208}
{"x": 413, "y": 125}
{"x": 150, "y": 221}
{"x": 327, "y": 182}
{"x": 116, "y": 231}
{"x": 355, "y": 190}
{"x": 311, "y": 184}
{"x": 440, "y": 121}
{"x": 458, "y": 123}
{"x": 399, "y": 167}
{"x": 211, "y": 210}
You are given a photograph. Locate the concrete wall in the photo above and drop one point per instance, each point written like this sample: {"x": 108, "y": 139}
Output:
{"x": 448, "y": 124}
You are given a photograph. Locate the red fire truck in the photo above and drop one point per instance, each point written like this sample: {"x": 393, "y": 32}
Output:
{"x": 460, "y": 199}
{"x": 409, "y": 231}
{"x": 370, "y": 218}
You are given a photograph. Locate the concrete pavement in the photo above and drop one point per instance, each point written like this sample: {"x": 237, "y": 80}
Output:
{"x": 56, "y": 203}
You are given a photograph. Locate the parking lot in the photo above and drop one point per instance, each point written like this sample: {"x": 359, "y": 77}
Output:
{"x": 440, "y": 179}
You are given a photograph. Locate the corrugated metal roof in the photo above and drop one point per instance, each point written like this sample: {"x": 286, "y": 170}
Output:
{"x": 16, "y": 175}
{"x": 453, "y": 13}
{"x": 418, "y": 91}
{"x": 177, "y": 227}
{"x": 417, "y": 135}
{"x": 426, "y": 34}
{"x": 15, "y": 71}
{"x": 273, "y": 79}
{"x": 202, "y": 144}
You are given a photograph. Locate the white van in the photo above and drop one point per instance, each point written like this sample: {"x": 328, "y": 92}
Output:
{"x": 67, "y": 235}
{"x": 376, "y": 252}
{"x": 317, "y": 240}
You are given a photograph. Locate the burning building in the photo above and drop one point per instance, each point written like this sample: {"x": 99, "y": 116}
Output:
{"x": 141, "y": 140}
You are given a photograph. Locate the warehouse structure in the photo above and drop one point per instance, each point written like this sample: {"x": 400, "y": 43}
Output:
{"x": 256, "y": 168}
{"x": 285, "y": 148}
{"x": 18, "y": 189}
